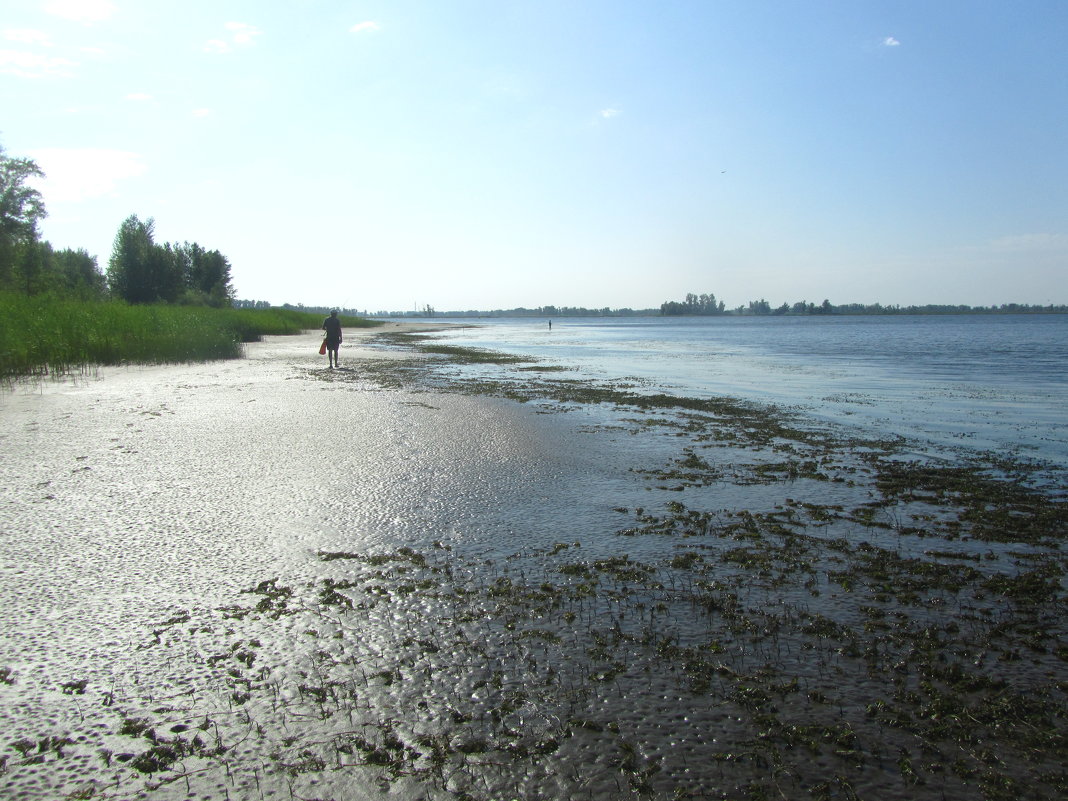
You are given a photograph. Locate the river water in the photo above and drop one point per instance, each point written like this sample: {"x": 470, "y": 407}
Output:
{"x": 982, "y": 382}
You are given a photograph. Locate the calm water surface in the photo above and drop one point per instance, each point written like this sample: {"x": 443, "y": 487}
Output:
{"x": 979, "y": 381}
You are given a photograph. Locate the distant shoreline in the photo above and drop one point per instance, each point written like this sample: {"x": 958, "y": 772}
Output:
{"x": 591, "y": 314}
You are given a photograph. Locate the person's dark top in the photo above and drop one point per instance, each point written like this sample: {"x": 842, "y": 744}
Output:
{"x": 332, "y": 326}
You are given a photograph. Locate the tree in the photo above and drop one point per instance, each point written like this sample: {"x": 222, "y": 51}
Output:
{"x": 29, "y": 267}
{"x": 21, "y": 208}
{"x": 139, "y": 271}
{"x": 759, "y": 307}
{"x": 75, "y": 272}
{"x": 167, "y": 270}
{"x": 694, "y": 304}
{"x": 207, "y": 275}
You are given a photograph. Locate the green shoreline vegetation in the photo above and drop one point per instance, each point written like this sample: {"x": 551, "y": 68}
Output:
{"x": 156, "y": 303}
{"x": 43, "y": 335}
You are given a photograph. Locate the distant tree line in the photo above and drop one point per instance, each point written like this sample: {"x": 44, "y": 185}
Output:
{"x": 343, "y": 311}
{"x": 694, "y": 304}
{"x": 705, "y": 305}
{"x": 522, "y": 311}
{"x": 139, "y": 271}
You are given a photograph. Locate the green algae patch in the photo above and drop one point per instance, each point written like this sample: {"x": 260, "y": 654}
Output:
{"x": 744, "y": 648}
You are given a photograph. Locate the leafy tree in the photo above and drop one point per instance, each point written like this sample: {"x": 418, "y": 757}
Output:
{"x": 29, "y": 267}
{"x": 140, "y": 271}
{"x": 759, "y": 307}
{"x": 21, "y": 208}
{"x": 75, "y": 272}
{"x": 129, "y": 259}
{"x": 134, "y": 262}
{"x": 694, "y": 304}
{"x": 207, "y": 276}
{"x": 166, "y": 269}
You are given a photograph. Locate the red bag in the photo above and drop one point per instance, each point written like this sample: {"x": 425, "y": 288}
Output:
{"x": 322, "y": 348}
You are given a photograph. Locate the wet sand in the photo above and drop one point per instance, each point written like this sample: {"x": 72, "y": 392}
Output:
{"x": 263, "y": 579}
{"x": 135, "y": 492}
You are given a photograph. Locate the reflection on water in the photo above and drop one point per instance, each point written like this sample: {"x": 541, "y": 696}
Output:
{"x": 985, "y": 382}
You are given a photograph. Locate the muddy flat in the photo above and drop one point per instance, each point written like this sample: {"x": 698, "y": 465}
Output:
{"x": 442, "y": 573}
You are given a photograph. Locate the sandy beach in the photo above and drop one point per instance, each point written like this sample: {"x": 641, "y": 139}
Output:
{"x": 264, "y": 579}
{"x": 134, "y": 492}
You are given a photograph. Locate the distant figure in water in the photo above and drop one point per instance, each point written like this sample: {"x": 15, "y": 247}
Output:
{"x": 550, "y": 325}
{"x": 332, "y": 326}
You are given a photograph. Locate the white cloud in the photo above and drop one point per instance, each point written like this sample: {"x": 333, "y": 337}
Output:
{"x": 33, "y": 65}
{"x": 202, "y": 112}
{"x": 81, "y": 10}
{"x": 368, "y": 25}
{"x": 73, "y": 175}
{"x": 138, "y": 97}
{"x": 890, "y": 41}
{"x": 608, "y": 113}
{"x": 27, "y": 36}
{"x": 241, "y": 34}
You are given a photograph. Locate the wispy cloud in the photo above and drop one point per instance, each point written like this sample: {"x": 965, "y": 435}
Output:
{"x": 609, "y": 113}
{"x": 35, "y": 65}
{"x": 81, "y": 10}
{"x": 243, "y": 33}
{"x": 890, "y": 41}
{"x": 27, "y": 36}
{"x": 361, "y": 27}
{"x": 73, "y": 175}
{"x": 138, "y": 97}
{"x": 239, "y": 34}
{"x": 201, "y": 112}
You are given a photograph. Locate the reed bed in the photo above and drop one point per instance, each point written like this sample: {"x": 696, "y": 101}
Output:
{"x": 46, "y": 336}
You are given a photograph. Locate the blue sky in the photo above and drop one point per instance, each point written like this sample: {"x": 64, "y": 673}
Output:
{"x": 493, "y": 154}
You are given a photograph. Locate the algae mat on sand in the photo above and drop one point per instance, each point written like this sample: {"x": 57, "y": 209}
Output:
{"x": 776, "y": 611}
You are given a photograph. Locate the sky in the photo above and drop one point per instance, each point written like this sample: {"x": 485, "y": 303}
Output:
{"x": 490, "y": 154}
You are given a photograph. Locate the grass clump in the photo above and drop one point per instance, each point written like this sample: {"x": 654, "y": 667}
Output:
{"x": 42, "y": 336}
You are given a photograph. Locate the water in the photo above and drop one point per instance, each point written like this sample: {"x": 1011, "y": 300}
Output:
{"x": 983, "y": 382}
{"x": 500, "y": 620}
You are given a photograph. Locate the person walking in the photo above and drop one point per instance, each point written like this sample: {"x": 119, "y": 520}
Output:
{"x": 332, "y": 326}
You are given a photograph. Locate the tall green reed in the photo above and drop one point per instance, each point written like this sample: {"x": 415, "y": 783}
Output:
{"x": 41, "y": 335}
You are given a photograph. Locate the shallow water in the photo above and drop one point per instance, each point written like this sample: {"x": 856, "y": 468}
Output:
{"x": 983, "y": 381}
{"x": 162, "y": 535}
